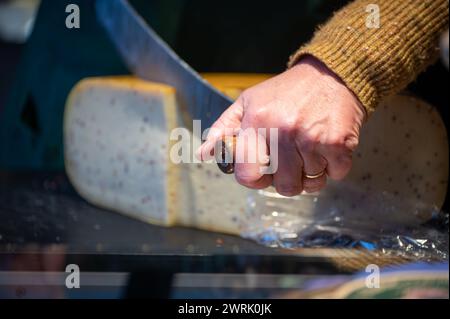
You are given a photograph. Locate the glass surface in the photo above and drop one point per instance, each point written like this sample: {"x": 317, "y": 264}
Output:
{"x": 47, "y": 226}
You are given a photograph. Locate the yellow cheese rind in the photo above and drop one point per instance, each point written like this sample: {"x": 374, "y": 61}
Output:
{"x": 233, "y": 84}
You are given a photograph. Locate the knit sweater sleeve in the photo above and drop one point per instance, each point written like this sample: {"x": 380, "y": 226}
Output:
{"x": 378, "y": 58}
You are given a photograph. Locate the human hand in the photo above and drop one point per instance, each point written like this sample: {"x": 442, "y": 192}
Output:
{"x": 318, "y": 120}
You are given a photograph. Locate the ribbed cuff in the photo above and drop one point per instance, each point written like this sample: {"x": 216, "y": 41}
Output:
{"x": 377, "y": 62}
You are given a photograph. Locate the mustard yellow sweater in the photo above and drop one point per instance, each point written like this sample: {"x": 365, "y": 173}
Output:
{"x": 379, "y": 59}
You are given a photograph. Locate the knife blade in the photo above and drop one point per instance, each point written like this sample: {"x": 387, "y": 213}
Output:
{"x": 150, "y": 58}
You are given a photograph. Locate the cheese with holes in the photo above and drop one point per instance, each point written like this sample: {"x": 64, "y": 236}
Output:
{"x": 117, "y": 146}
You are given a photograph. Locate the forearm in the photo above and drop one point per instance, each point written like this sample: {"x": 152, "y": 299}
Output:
{"x": 377, "y": 62}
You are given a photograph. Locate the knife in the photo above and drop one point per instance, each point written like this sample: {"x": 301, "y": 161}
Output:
{"x": 150, "y": 58}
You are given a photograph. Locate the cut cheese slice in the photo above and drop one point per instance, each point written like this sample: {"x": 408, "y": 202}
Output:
{"x": 116, "y": 146}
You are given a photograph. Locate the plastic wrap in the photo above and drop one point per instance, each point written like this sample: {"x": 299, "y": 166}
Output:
{"x": 347, "y": 217}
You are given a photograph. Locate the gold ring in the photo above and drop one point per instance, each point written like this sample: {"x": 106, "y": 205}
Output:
{"x": 314, "y": 176}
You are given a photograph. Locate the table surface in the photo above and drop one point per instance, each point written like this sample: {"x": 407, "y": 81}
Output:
{"x": 41, "y": 214}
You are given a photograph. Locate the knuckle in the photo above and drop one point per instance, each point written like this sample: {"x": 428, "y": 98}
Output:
{"x": 286, "y": 134}
{"x": 351, "y": 143}
{"x": 343, "y": 142}
{"x": 260, "y": 114}
{"x": 336, "y": 141}
{"x": 245, "y": 97}
{"x": 308, "y": 143}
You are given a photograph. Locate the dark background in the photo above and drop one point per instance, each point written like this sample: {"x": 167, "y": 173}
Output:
{"x": 211, "y": 36}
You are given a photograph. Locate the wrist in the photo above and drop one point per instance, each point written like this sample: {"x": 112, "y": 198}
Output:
{"x": 315, "y": 65}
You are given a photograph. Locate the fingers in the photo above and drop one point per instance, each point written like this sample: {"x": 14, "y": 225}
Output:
{"x": 339, "y": 157}
{"x": 312, "y": 153}
{"x": 226, "y": 124}
{"x": 251, "y": 154}
{"x": 288, "y": 177}
{"x": 332, "y": 156}
{"x": 339, "y": 166}
{"x": 314, "y": 164}
{"x": 206, "y": 150}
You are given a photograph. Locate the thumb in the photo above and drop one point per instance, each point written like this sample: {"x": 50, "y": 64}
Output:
{"x": 227, "y": 124}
